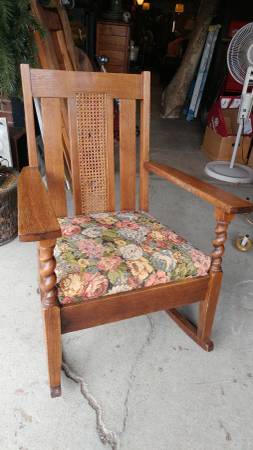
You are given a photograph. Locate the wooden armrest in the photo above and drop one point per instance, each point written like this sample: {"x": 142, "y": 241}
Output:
{"x": 36, "y": 218}
{"x": 230, "y": 203}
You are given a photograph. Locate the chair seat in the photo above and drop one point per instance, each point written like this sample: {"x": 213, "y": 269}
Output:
{"x": 108, "y": 253}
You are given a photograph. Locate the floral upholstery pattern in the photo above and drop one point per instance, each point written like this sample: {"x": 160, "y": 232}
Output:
{"x": 107, "y": 253}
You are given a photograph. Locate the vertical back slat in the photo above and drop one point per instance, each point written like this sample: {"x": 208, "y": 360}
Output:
{"x": 53, "y": 149}
{"x": 144, "y": 140}
{"x": 29, "y": 117}
{"x": 74, "y": 155}
{"x": 127, "y": 127}
{"x": 110, "y": 153}
{"x": 92, "y": 159}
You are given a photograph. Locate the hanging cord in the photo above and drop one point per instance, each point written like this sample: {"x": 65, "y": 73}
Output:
{"x": 250, "y": 149}
{"x": 242, "y": 142}
{"x": 2, "y": 172}
{"x": 250, "y": 220}
{"x": 2, "y": 159}
{"x": 249, "y": 216}
{"x": 244, "y": 159}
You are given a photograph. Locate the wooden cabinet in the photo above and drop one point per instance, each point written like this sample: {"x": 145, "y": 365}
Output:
{"x": 113, "y": 42}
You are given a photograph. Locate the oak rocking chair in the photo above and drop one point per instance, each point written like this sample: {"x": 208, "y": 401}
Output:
{"x": 100, "y": 266}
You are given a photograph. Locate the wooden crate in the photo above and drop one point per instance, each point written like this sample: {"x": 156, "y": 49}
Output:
{"x": 113, "y": 42}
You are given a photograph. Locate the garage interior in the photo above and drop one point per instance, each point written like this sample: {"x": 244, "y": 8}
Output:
{"x": 141, "y": 383}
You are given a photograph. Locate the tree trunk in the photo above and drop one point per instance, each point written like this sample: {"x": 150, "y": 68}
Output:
{"x": 175, "y": 93}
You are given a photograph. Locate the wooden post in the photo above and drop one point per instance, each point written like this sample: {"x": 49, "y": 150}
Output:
{"x": 208, "y": 306}
{"x": 29, "y": 116}
{"x": 51, "y": 314}
{"x": 144, "y": 141}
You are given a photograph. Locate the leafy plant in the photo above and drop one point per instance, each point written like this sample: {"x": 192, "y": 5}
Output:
{"x": 16, "y": 43}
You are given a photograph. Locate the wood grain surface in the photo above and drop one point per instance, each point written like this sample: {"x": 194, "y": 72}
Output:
{"x": 112, "y": 308}
{"x": 36, "y": 217}
{"x": 212, "y": 194}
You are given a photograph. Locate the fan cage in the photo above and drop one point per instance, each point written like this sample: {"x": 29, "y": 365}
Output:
{"x": 240, "y": 47}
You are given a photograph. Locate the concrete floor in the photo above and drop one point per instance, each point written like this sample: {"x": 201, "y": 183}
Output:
{"x": 156, "y": 389}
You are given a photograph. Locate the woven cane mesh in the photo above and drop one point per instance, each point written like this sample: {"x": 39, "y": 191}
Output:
{"x": 91, "y": 140}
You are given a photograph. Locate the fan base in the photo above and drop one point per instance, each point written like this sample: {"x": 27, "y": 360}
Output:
{"x": 221, "y": 171}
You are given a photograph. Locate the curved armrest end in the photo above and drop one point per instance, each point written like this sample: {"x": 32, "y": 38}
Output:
{"x": 36, "y": 217}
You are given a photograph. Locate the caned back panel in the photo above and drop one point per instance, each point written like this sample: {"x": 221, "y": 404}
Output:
{"x": 90, "y": 131}
{"x": 91, "y": 143}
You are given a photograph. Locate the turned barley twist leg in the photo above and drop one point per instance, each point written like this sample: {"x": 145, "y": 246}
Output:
{"x": 208, "y": 306}
{"x": 222, "y": 223}
{"x": 51, "y": 314}
{"x": 47, "y": 274}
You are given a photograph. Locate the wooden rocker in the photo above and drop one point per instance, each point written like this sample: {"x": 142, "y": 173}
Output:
{"x": 101, "y": 266}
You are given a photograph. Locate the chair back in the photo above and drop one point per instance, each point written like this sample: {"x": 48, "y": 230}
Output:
{"x": 88, "y": 98}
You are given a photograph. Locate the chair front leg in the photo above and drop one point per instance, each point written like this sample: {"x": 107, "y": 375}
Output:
{"x": 208, "y": 306}
{"x": 51, "y": 314}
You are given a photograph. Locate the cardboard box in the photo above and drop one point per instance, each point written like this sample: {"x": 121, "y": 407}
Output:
{"x": 220, "y": 148}
{"x": 221, "y": 131}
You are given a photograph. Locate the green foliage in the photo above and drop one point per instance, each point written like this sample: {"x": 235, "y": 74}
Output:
{"x": 16, "y": 43}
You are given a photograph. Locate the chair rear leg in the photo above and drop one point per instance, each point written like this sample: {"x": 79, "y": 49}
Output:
{"x": 207, "y": 307}
{"x": 52, "y": 324}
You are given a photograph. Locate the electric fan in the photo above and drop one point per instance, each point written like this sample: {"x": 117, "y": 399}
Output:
{"x": 240, "y": 65}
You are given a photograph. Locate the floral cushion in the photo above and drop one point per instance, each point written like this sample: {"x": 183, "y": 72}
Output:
{"x": 107, "y": 253}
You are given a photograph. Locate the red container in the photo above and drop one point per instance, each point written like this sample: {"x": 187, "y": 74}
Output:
{"x": 222, "y": 117}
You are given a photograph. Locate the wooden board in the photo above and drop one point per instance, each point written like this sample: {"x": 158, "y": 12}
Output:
{"x": 212, "y": 194}
{"x": 36, "y": 217}
{"x": 53, "y": 150}
{"x": 56, "y": 50}
{"x": 112, "y": 308}
{"x": 127, "y": 154}
{"x": 144, "y": 141}
{"x": 66, "y": 84}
